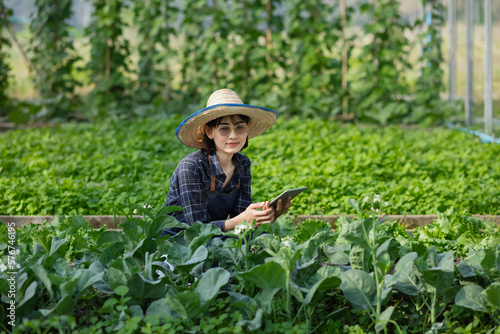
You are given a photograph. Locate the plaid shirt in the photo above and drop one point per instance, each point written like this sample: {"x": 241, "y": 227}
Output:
{"x": 190, "y": 185}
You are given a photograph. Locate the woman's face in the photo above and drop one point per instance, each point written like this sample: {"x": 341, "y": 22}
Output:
{"x": 230, "y": 135}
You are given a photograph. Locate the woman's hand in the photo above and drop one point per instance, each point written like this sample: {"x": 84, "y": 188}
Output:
{"x": 252, "y": 214}
{"x": 280, "y": 208}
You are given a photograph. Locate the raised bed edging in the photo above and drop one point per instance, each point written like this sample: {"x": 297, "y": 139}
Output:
{"x": 112, "y": 222}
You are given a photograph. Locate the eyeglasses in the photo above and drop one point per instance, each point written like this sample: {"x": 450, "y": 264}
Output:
{"x": 225, "y": 130}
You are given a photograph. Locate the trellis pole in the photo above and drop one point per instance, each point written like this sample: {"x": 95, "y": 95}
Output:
{"x": 469, "y": 74}
{"x": 488, "y": 70}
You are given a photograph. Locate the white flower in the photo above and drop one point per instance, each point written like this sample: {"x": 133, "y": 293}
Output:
{"x": 241, "y": 227}
{"x": 376, "y": 198}
{"x": 366, "y": 199}
{"x": 386, "y": 203}
{"x": 287, "y": 241}
{"x": 3, "y": 267}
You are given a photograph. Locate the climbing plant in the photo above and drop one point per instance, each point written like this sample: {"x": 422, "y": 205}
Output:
{"x": 155, "y": 21}
{"x": 428, "y": 105}
{"x": 5, "y": 68}
{"x": 314, "y": 68}
{"x": 109, "y": 61}
{"x": 378, "y": 76}
{"x": 53, "y": 58}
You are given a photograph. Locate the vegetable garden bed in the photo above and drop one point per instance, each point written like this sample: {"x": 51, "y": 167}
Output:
{"x": 369, "y": 275}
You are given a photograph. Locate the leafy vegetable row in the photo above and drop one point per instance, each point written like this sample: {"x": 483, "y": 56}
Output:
{"x": 101, "y": 168}
{"x": 367, "y": 273}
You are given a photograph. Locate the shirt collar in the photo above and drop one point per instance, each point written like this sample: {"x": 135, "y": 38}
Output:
{"x": 216, "y": 167}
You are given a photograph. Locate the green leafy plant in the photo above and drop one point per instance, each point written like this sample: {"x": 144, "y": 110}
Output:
{"x": 5, "y": 68}
{"x": 71, "y": 277}
{"x": 428, "y": 106}
{"x": 155, "y": 23}
{"x": 109, "y": 61}
{"x": 379, "y": 81}
{"x": 54, "y": 58}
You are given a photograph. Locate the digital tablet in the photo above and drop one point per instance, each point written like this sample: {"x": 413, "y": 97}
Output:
{"x": 284, "y": 195}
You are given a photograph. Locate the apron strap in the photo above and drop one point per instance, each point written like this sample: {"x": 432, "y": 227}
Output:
{"x": 212, "y": 180}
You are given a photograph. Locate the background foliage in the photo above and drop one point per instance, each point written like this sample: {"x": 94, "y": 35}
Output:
{"x": 283, "y": 54}
{"x": 99, "y": 168}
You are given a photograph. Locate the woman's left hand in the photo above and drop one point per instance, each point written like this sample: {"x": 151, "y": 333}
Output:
{"x": 280, "y": 208}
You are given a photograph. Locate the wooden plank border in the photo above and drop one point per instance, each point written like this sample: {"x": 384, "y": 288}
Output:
{"x": 112, "y": 222}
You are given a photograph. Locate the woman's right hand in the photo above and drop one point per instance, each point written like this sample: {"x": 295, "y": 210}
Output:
{"x": 252, "y": 214}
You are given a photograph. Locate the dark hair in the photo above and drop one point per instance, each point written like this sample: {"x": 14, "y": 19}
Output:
{"x": 209, "y": 144}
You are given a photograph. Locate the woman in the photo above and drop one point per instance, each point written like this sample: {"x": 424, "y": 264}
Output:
{"x": 212, "y": 185}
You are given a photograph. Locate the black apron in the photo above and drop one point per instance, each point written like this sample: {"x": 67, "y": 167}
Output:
{"x": 219, "y": 204}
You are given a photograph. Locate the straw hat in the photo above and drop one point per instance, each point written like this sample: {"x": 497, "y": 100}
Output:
{"x": 224, "y": 102}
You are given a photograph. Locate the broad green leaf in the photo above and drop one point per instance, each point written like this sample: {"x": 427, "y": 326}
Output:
{"x": 131, "y": 229}
{"x": 436, "y": 272}
{"x": 198, "y": 256}
{"x": 28, "y": 294}
{"x": 142, "y": 290}
{"x": 471, "y": 297}
{"x": 168, "y": 209}
{"x": 255, "y": 323}
{"x": 383, "y": 249}
{"x": 108, "y": 306}
{"x": 360, "y": 258}
{"x": 68, "y": 287}
{"x": 112, "y": 252}
{"x": 198, "y": 234}
{"x": 404, "y": 278}
{"x": 466, "y": 270}
{"x": 384, "y": 318}
{"x": 178, "y": 254}
{"x": 86, "y": 279}
{"x": 269, "y": 275}
{"x": 492, "y": 295}
{"x": 187, "y": 304}
{"x": 56, "y": 244}
{"x": 158, "y": 307}
{"x": 64, "y": 306}
{"x": 337, "y": 255}
{"x": 358, "y": 287}
{"x": 210, "y": 284}
{"x": 160, "y": 223}
{"x": 356, "y": 240}
{"x": 43, "y": 276}
{"x": 355, "y": 205}
{"x": 116, "y": 278}
{"x": 330, "y": 280}
{"x": 111, "y": 237}
{"x": 121, "y": 290}
{"x": 143, "y": 247}
{"x": 491, "y": 262}
{"x": 295, "y": 291}
{"x": 311, "y": 246}
{"x": 382, "y": 265}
